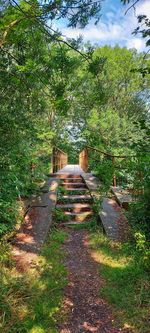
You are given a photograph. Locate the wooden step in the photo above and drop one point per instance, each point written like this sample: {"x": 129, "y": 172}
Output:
{"x": 73, "y": 185}
{"x": 72, "y": 180}
{"x": 75, "y": 207}
{"x": 72, "y": 223}
{"x": 67, "y": 175}
{"x": 79, "y": 216}
{"x": 79, "y": 189}
{"x": 77, "y": 198}
{"x": 64, "y": 175}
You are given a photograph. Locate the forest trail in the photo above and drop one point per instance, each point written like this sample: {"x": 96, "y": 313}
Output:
{"x": 71, "y": 101}
{"x": 83, "y": 308}
{"x": 75, "y": 203}
{"x": 86, "y": 310}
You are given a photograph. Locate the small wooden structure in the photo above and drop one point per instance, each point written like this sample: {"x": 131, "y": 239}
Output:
{"x": 83, "y": 159}
{"x": 59, "y": 159}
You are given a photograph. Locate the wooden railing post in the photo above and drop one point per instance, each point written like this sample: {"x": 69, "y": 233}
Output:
{"x": 53, "y": 159}
{"x": 114, "y": 176}
{"x": 59, "y": 159}
{"x": 83, "y": 159}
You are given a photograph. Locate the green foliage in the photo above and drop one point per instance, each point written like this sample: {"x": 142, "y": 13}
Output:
{"x": 96, "y": 204}
{"x": 143, "y": 249}
{"x": 33, "y": 102}
{"x": 115, "y": 119}
{"x": 59, "y": 216}
{"x": 61, "y": 191}
{"x": 91, "y": 225}
{"x": 105, "y": 170}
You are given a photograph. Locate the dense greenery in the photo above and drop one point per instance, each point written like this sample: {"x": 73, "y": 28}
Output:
{"x": 34, "y": 100}
{"x": 64, "y": 93}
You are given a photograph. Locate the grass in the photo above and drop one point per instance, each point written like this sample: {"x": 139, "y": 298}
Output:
{"x": 59, "y": 216}
{"x": 127, "y": 284}
{"x": 89, "y": 225}
{"x": 30, "y": 302}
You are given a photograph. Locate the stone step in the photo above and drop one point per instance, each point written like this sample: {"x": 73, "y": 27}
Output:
{"x": 64, "y": 175}
{"x": 79, "y": 216}
{"x": 79, "y": 189}
{"x": 73, "y": 185}
{"x": 72, "y": 223}
{"x": 72, "y": 180}
{"x": 77, "y": 198}
{"x": 75, "y": 207}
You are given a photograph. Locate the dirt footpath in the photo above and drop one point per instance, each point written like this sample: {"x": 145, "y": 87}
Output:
{"x": 34, "y": 229}
{"x": 86, "y": 310}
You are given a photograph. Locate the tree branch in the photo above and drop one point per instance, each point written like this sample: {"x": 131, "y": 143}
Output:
{"x": 9, "y": 27}
{"x": 45, "y": 26}
{"x": 132, "y": 6}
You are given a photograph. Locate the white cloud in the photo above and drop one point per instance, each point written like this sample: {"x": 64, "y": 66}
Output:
{"x": 136, "y": 43}
{"x": 114, "y": 28}
{"x": 102, "y": 32}
{"x": 143, "y": 8}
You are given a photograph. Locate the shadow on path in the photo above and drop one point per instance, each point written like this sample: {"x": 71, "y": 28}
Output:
{"x": 87, "y": 312}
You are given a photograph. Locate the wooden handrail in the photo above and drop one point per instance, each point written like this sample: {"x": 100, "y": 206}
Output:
{"x": 108, "y": 154}
{"x": 60, "y": 150}
{"x": 83, "y": 159}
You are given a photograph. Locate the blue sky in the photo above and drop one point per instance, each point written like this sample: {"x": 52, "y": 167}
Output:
{"x": 114, "y": 26}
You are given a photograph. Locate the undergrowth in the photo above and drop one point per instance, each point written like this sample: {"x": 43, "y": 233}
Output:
{"x": 127, "y": 282}
{"x": 91, "y": 225}
{"x": 59, "y": 216}
{"x": 29, "y": 302}
{"x": 16, "y": 186}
